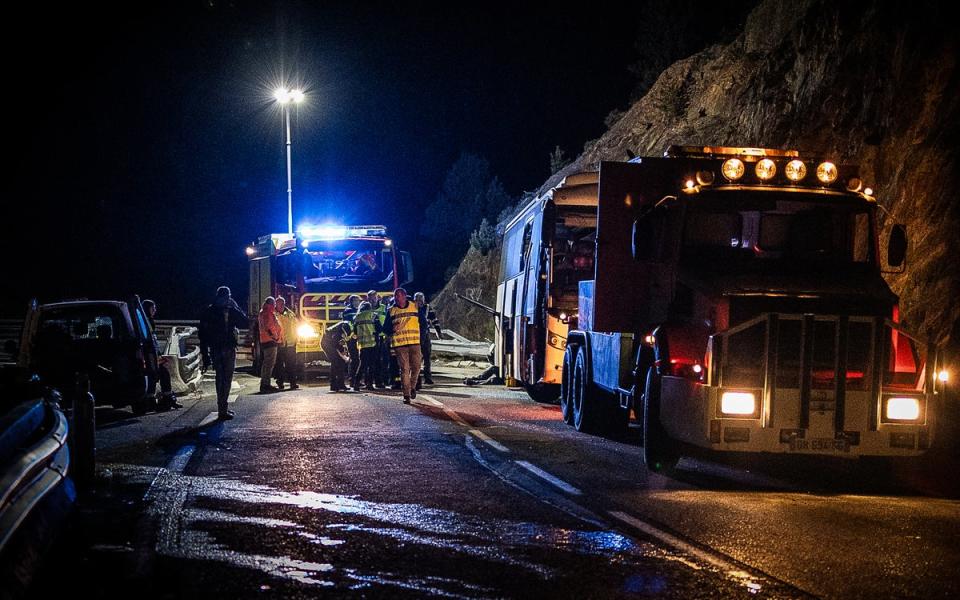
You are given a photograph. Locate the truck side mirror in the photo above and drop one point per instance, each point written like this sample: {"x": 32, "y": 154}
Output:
{"x": 897, "y": 246}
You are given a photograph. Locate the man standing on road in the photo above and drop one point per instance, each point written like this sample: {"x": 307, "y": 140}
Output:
{"x": 367, "y": 327}
{"x": 403, "y": 326}
{"x": 428, "y": 319}
{"x": 334, "y": 344}
{"x": 219, "y": 328}
{"x": 156, "y": 364}
{"x": 288, "y": 367}
{"x": 271, "y": 336}
{"x": 353, "y": 305}
{"x": 383, "y": 345}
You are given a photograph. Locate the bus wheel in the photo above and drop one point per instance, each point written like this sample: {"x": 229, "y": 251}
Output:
{"x": 566, "y": 393}
{"x": 660, "y": 453}
{"x": 587, "y": 415}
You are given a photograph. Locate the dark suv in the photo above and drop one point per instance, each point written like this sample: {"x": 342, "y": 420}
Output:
{"x": 108, "y": 340}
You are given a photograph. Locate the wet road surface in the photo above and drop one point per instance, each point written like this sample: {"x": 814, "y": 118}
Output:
{"x": 470, "y": 493}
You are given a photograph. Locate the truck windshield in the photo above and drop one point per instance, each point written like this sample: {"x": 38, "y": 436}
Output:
{"x": 782, "y": 230}
{"x": 338, "y": 265}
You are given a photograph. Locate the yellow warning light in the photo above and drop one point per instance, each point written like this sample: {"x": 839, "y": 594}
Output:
{"x": 649, "y": 339}
{"x": 795, "y": 170}
{"x": 868, "y": 191}
{"x": 827, "y": 172}
{"x": 766, "y": 169}
{"x": 733, "y": 169}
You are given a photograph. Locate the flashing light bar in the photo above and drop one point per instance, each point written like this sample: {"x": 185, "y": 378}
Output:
{"x": 336, "y": 232}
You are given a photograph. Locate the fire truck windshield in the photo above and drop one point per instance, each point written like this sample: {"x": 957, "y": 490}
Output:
{"x": 781, "y": 229}
{"x": 339, "y": 265}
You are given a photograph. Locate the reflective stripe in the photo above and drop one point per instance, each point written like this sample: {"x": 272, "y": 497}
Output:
{"x": 406, "y": 326}
{"x": 366, "y": 329}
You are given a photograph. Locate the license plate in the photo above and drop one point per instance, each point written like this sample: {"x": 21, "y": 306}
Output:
{"x": 825, "y": 445}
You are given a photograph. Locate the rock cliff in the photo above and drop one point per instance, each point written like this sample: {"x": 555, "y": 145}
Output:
{"x": 870, "y": 83}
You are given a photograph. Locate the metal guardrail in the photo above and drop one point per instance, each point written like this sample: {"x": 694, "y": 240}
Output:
{"x": 32, "y": 475}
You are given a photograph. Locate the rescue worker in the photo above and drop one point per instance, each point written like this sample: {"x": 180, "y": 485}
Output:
{"x": 383, "y": 344}
{"x": 353, "y": 303}
{"x": 334, "y": 344}
{"x": 428, "y": 319}
{"x": 288, "y": 367}
{"x": 366, "y": 325}
{"x": 403, "y": 326}
{"x": 156, "y": 363}
{"x": 271, "y": 336}
{"x": 220, "y": 325}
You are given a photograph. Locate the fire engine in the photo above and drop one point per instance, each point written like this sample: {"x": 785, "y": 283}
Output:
{"x": 731, "y": 297}
{"x": 318, "y": 268}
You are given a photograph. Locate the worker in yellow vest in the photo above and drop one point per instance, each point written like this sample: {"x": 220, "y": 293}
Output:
{"x": 403, "y": 326}
{"x": 366, "y": 324}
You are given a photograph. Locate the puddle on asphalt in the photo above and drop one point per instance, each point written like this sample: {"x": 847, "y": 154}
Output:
{"x": 188, "y": 530}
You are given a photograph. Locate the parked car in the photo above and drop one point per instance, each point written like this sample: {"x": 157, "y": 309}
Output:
{"x": 106, "y": 339}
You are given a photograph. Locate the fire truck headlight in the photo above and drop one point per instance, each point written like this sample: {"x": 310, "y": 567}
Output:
{"x": 733, "y": 169}
{"x": 251, "y": 250}
{"x": 943, "y": 376}
{"x": 902, "y": 409}
{"x": 738, "y": 403}
{"x": 306, "y": 331}
{"x": 795, "y": 170}
{"x": 827, "y": 172}
{"x": 766, "y": 169}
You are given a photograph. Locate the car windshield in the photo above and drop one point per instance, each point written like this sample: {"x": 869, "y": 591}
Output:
{"x": 779, "y": 230}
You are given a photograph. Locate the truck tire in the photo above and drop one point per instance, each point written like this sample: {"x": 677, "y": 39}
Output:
{"x": 660, "y": 453}
{"x": 544, "y": 393}
{"x": 566, "y": 391}
{"x": 587, "y": 412}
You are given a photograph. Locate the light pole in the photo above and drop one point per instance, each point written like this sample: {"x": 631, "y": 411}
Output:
{"x": 285, "y": 97}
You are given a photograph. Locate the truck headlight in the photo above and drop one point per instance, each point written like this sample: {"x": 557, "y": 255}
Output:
{"x": 738, "y": 403}
{"x": 306, "y": 331}
{"x": 900, "y": 408}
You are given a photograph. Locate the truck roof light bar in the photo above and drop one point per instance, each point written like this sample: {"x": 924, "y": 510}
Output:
{"x": 723, "y": 151}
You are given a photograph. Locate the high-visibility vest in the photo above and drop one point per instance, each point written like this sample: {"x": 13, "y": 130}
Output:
{"x": 406, "y": 326}
{"x": 365, "y": 324}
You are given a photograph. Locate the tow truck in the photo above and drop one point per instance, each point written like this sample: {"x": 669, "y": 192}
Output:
{"x": 732, "y": 298}
{"x": 317, "y": 269}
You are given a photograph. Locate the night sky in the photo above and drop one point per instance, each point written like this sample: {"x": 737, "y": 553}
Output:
{"x": 147, "y": 152}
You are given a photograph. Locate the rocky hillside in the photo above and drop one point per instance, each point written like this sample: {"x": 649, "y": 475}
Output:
{"x": 873, "y": 83}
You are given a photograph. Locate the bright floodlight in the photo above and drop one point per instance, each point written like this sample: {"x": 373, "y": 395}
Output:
{"x": 282, "y": 95}
{"x": 297, "y": 96}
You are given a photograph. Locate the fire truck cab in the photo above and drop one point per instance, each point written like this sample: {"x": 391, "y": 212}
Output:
{"x": 731, "y": 297}
{"x": 318, "y": 268}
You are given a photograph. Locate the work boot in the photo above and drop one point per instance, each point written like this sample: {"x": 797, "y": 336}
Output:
{"x": 413, "y": 394}
{"x": 406, "y": 399}
{"x": 428, "y": 380}
{"x": 280, "y": 385}
{"x": 294, "y": 386}
{"x": 269, "y": 389}
{"x": 225, "y": 416}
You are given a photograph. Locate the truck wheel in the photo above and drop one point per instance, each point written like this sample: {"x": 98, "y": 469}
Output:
{"x": 587, "y": 413}
{"x": 544, "y": 393}
{"x": 566, "y": 393}
{"x": 660, "y": 453}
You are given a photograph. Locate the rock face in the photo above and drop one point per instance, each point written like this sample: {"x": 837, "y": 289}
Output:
{"x": 868, "y": 83}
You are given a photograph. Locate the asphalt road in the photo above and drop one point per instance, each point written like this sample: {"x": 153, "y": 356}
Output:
{"x": 474, "y": 492}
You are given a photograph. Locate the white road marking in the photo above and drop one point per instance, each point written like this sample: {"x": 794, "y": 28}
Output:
{"x": 729, "y": 568}
{"x": 489, "y": 440}
{"x": 234, "y": 385}
{"x": 208, "y": 419}
{"x": 457, "y": 418}
{"x": 233, "y": 398}
{"x": 179, "y": 462}
{"x": 551, "y": 479}
{"x": 430, "y": 399}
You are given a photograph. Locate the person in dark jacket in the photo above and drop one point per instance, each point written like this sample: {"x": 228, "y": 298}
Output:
{"x": 428, "y": 319}
{"x": 334, "y": 344}
{"x": 219, "y": 328}
{"x": 349, "y": 313}
{"x": 156, "y": 363}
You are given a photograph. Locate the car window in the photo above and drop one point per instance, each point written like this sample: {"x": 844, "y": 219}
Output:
{"x": 80, "y": 324}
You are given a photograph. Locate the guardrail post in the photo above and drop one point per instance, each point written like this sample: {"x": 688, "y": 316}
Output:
{"x": 83, "y": 432}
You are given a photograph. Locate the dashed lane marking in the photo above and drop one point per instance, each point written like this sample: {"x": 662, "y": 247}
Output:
{"x": 179, "y": 462}
{"x": 430, "y": 399}
{"x": 551, "y": 479}
{"x": 489, "y": 440}
{"x": 234, "y": 385}
{"x": 208, "y": 419}
{"x": 456, "y": 418}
